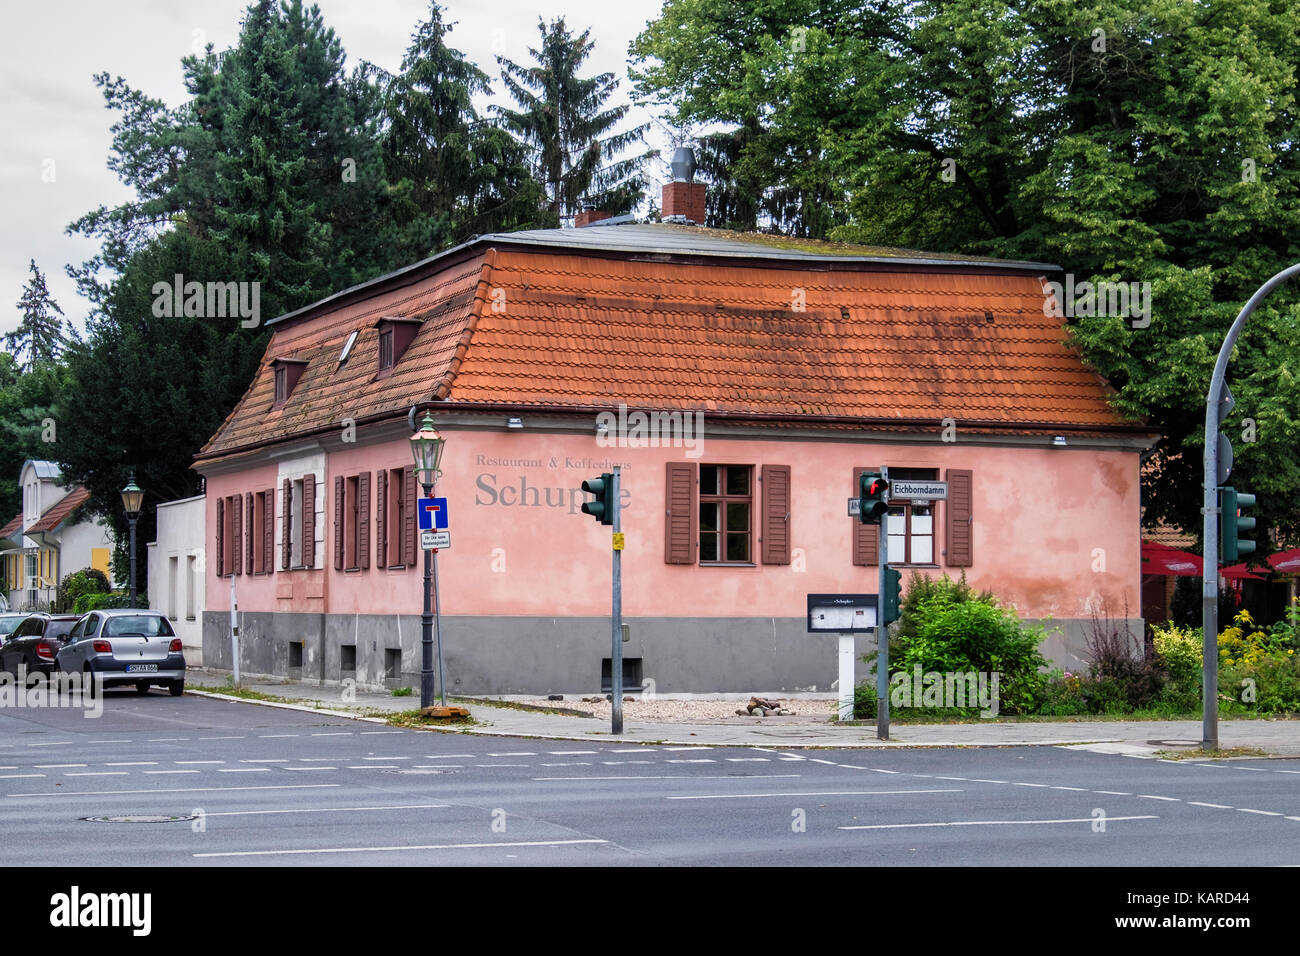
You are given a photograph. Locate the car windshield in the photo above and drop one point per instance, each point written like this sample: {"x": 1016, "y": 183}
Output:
{"x": 147, "y": 624}
{"x": 60, "y": 628}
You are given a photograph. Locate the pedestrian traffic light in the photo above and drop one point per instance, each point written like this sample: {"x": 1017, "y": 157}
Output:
{"x": 1231, "y": 524}
{"x": 872, "y": 490}
{"x": 602, "y": 509}
{"x": 893, "y": 594}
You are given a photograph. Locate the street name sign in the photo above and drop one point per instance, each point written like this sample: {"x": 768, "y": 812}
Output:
{"x": 902, "y": 490}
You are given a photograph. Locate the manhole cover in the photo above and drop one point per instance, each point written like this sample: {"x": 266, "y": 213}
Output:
{"x": 140, "y": 818}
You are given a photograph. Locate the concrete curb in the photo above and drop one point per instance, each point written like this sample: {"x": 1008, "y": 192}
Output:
{"x": 283, "y": 706}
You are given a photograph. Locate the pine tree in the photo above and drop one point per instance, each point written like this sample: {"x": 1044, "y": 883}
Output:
{"x": 562, "y": 119}
{"x": 40, "y": 334}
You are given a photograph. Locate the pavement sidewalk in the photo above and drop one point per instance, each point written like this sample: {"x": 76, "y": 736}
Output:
{"x": 1139, "y": 737}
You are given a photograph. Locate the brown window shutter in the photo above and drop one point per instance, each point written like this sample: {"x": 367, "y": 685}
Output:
{"x": 866, "y": 537}
{"x": 236, "y": 506}
{"x": 776, "y": 514}
{"x": 309, "y": 521}
{"x": 959, "y": 545}
{"x": 408, "y": 519}
{"x": 363, "y": 520}
{"x": 338, "y": 524}
{"x": 252, "y": 545}
{"x": 286, "y": 545}
{"x": 221, "y": 537}
{"x": 268, "y": 532}
{"x": 381, "y": 519}
{"x": 679, "y": 520}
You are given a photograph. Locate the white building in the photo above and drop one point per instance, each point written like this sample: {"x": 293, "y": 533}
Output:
{"x": 54, "y": 535}
{"x": 176, "y": 572}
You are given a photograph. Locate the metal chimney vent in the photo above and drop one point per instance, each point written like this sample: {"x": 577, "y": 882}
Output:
{"x": 683, "y": 165}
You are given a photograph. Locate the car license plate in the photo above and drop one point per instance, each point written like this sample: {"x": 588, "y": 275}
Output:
{"x": 142, "y": 668}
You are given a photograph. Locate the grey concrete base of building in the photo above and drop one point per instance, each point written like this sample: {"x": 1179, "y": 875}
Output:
{"x": 517, "y": 655}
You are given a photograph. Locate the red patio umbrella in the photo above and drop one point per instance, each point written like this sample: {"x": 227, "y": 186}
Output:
{"x": 1161, "y": 559}
{"x": 1287, "y": 562}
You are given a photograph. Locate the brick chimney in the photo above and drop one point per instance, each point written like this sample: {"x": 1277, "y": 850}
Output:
{"x": 587, "y": 216}
{"x": 683, "y": 199}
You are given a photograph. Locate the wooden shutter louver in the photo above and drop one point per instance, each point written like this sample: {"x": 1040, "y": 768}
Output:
{"x": 408, "y": 520}
{"x": 959, "y": 545}
{"x": 338, "y": 524}
{"x": 776, "y": 514}
{"x": 679, "y": 518}
{"x": 381, "y": 519}
{"x": 237, "y": 534}
{"x": 221, "y": 538}
{"x": 363, "y": 520}
{"x": 866, "y": 537}
{"x": 268, "y": 532}
{"x": 309, "y": 521}
{"x": 286, "y": 543}
{"x": 252, "y": 544}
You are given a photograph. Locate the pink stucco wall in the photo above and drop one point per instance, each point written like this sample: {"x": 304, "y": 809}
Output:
{"x": 1054, "y": 529}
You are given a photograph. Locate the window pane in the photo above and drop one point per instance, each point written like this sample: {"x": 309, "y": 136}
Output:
{"x": 708, "y": 547}
{"x": 737, "y": 515}
{"x": 737, "y": 547}
{"x": 708, "y": 516}
{"x": 922, "y": 549}
{"x": 922, "y": 520}
{"x": 897, "y": 520}
{"x": 897, "y": 552}
{"x": 708, "y": 479}
{"x": 737, "y": 481}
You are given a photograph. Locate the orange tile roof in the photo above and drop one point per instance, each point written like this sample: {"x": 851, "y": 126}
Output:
{"x": 12, "y": 526}
{"x": 515, "y": 321}
{"x": 61, "y": 510}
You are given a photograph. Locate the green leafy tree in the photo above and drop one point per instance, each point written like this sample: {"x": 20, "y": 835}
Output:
{"x": 40, "y": 334}
{"x": 563, "y": 120}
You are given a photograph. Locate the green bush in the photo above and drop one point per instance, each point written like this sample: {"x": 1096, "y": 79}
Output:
{"x": 114, "y": 599}
{"x": 84, "y": 582}
{"x": 946, "y": 626}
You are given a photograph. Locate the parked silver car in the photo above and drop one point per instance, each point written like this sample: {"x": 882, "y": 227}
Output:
{"x": 126, "y": 646}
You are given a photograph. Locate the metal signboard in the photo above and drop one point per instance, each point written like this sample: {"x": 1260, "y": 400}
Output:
{"x": 432, "y": 514}
{"x": 841, "y": 613}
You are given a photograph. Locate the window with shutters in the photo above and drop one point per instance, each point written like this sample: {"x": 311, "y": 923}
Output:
{"x": 351, "y": 524}
{"x": 910, "y": 525}
{"x": 395, "y": 506}
{"x": 229, "y": 546}
{"x": 295, "y": 524}
{"x": 726, "y": 508}
{"x": 261, "y": 533}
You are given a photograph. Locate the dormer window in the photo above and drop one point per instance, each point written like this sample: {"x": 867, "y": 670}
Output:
{"x": 395, "y": 335}
{"x": 287, "y": 373}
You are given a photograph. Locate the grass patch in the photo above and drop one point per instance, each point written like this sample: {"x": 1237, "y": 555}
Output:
{"x": 1196, "y": 753}
{"x": 403, "y": 691}
{"x": 413, "y": 720}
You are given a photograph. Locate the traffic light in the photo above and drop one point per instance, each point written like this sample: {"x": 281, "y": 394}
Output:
{"x": 1231, "y": 546}
{"x": 872, "y": 489}
{"x": 602, "y": 509}
{"x": 893, "y": 594}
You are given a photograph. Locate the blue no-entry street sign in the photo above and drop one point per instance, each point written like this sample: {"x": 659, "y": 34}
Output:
{"x": 432, "y": 514}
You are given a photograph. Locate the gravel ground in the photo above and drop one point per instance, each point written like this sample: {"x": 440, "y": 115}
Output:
{"x": 682, "y": 711}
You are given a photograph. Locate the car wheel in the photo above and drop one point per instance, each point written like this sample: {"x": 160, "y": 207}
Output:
{"x": 142, "y": 687}
{"x": 177, "y": 687}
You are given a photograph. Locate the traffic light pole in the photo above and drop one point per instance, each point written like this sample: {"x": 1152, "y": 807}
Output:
{"x": 1210, "y": 510}
{"x": 616, "y": 629}
{"x": 882, "y": 629}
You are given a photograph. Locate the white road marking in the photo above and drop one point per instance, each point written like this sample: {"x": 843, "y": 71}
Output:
{"x": 243, "y": 770}
{"x": 52, "y": 743}
{"x": 575, "y": 753}
{"x": 169, "y": 771}
{"x": 266, "y": 760}
{"x": 306, "y": 769}
{"x": 373, "y": 732}
{"x": 517, "y": 753}
{"x": 439, "y": 766}
{"x": 389, "y": 758}
{"x": 132, "y": 763}
{"x": 619, "y": 763}
{"x": 450, "y": 756}
{"x": 335, "y": 733}
{"x": 1018, "y": 784}
{"x": 632, "y": 750}
{"x": 693, "y": 760}
{"x": 1114, "y": 793}
{"x": 96, "y": 773}
{"x": 1075, "y": 789}
{"x": 568, "y": 763}
{"x": 1152, "y": 796}
{"x": 109, "y": 793}
{"x": 1265, "y": 813}
{"x": 255, "y": 813}
{"x": 937, "y": 777}
{"x": 221, "y": 738}
{"x": 19, "y": 776}
{"x": 269, "y": 736}
{"x": 502, "y": 765}
{"x": 671, "y": 776}
{"x": 185, "y": 762}
{"x": 1216, "y": 806}
{"x": 315, "y": 759}
{"x": 675, "y": 749}
{"x": 372, "y": 766}
{"x": 60, "y": 766}
{"x": 984, "y": 823}
{"x": 389, "y": 849}
{"x": 115, "y": 741}
{"x": 810, "y": 793}
{"x": 164, "y": 740}
{"x": 749, "y": 760}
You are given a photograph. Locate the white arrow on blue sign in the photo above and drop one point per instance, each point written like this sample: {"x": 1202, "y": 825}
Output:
{"x": 432, "y": 514}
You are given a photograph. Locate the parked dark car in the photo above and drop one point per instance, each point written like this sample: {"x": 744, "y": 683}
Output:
{"x": 126, "y": 646}
{"x": 9, "y": 623}
{"x": 35, "y": 643}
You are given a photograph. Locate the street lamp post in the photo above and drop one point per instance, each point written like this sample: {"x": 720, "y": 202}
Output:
{"x": 132, "y": 502}
{"x": 426, "y": 448}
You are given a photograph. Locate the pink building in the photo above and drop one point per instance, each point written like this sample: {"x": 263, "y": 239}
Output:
{"x": 546, "y": 357}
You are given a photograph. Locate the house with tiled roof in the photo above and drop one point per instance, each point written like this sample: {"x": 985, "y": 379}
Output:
{"x": 741, "y": 382}
{"x": 51, "y": 536}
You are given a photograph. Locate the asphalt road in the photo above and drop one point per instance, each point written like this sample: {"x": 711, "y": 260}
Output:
{"x": 280, "y": 787}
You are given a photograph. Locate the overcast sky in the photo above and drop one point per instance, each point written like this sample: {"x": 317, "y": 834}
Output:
{"x": 54, "y": 118}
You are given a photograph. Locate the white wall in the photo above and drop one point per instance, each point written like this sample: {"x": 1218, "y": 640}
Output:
{"x": 176, "y": 562}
